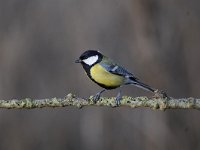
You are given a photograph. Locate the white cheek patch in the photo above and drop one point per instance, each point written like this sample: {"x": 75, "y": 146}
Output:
{"x": 91, "y": 60}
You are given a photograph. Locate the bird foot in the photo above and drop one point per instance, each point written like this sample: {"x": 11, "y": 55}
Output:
{"x": 97, "y": 96}
{"x": 118, "y": 98}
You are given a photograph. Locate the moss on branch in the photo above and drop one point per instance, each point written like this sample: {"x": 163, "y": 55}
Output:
{"x": 133, "y": 102}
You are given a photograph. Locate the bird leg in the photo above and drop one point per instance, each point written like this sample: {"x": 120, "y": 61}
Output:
{"x": 118, "y": 98}
{"x": 97, "y": 96}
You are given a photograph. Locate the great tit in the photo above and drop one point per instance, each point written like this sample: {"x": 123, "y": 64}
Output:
{"x": 107, "y": 74}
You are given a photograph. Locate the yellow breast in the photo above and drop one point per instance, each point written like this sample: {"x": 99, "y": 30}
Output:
{"x": 100, "y": 75}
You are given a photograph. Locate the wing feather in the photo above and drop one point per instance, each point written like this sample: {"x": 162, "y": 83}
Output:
{"x": 115, "y": 69}
{"x": 112, "y": 67}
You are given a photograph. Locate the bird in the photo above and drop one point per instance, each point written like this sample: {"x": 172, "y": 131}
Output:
{"x": 108, "y": 74}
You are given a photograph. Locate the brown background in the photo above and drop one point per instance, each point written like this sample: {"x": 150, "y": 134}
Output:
{"x": 157, "y": 40}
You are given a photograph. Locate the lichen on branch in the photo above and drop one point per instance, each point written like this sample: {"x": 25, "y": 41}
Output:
{"x": 133, "y": 102}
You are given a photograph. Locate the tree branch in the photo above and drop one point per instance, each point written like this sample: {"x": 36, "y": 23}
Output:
{"x": 72, "y": 100}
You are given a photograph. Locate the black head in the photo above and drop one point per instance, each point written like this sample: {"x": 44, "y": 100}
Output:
{"x": 90, "y": 57}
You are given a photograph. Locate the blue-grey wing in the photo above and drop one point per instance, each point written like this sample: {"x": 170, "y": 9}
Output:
{"x": 112, "y": 67}
{"x": 115, "y": 69}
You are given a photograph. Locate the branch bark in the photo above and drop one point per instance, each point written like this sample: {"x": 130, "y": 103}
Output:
{"x": 72, "y": 100}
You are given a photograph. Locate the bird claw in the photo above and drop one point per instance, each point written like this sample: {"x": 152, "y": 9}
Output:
{"x": 118, "y": 99}
{"x": 97, "y": 96}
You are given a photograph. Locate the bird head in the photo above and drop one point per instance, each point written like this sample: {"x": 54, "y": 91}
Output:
{"x": 90, "y": 57}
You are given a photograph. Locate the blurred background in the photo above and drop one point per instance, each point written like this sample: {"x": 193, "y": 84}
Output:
{"x": 157, "y": 40}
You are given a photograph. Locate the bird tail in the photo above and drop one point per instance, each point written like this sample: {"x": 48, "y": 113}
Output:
{"x": 139, "y": 84}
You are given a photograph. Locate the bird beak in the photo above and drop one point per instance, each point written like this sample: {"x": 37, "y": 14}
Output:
{"x": 78, "y": 61}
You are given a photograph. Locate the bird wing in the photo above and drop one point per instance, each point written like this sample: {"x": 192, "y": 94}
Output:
{"x": 112, "y": 67}
{"x": 115, "y": 69}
